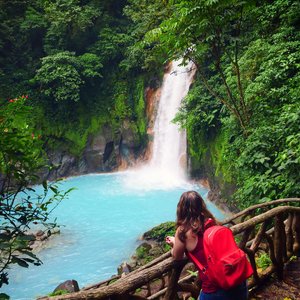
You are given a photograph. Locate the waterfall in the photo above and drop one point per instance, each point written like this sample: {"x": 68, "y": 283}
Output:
{"x": 169, "y": 146}
{"x": 167, "y": 166}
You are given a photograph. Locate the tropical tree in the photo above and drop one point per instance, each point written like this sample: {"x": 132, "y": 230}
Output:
{"x": 69, "y": 22}
{"x": 145, "y": 16}
{"x": 213, "y": 35}
{"x": 21, "y": 207}
{"x": 62, "y": 74}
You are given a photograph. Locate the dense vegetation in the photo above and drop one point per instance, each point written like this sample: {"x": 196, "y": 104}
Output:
{"x": 71, "y": 57}
{"x": 85, "y": 63}
{"x": 88, "y": 62}
{"x": 243, "y": 111}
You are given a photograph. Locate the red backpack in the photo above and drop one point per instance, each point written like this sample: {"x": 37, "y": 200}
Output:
{"x": 227, "y": 264}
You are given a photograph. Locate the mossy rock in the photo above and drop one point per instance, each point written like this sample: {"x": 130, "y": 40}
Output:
{"x": 158, "y": 233}
{"x": 58, "y": 293}
{"x": 156, "y": 251}
{"x": 143, "y": 250}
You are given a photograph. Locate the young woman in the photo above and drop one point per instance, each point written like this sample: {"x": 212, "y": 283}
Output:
{"x": 192, "y": 219}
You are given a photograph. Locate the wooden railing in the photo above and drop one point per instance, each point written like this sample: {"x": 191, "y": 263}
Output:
{"x": 271, "y": 229}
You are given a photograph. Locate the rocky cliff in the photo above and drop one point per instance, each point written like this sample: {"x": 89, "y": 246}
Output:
{"x": 108, "y": 150}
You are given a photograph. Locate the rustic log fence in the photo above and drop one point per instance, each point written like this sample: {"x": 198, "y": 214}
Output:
{"x": 271, "y": 229}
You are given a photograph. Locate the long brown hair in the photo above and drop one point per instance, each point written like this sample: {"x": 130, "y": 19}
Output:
{"x": 191, "y": 213}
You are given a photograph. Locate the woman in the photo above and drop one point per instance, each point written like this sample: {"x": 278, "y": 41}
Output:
{"x": 192, "y": 219}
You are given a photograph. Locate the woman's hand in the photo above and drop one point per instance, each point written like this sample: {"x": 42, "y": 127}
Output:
{"x": 170, "y": 240}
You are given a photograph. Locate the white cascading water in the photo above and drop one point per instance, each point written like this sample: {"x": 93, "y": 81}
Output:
{"x": 167, "y": 167}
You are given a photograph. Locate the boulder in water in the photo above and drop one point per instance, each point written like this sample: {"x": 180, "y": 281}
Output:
{"x": 124, "y": 268}
{"x": 69, "y": 285}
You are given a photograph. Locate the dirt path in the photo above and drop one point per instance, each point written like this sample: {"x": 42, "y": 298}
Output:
{"x": 288, "y": 289}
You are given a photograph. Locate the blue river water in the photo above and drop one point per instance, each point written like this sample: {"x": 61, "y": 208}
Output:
{"x": 102, "y": 220}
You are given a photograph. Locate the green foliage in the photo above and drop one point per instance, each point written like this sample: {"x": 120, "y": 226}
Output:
{"x": 4, "y": 296}
{"x": 121, "y": 109}
{"x": 129, "y": 106}
{"x": 90, "y": 65}
{"x": 199, "y": 111}
{"x": 140, "y": 107}
{"x": 145, "y": 15}
{"x": 66, "y": 55}
{"x": 84, "y": 64}
{"x": 193, "y": 273}
{"x": 263, "y": 261}
{"x": 270, "y": 159}
{"x": 160, "y": 232}
{"x": 218, "y": 150}
{"x": 72, "y": 137}
{"x": 21, "y": 207}
{"x": 200, "y": 115}
{"x": 248, "y": 63}
{"x": 138, "y": 114}
{"x": 111, "y": 44}
{"x": 58, "y": 293}
{"x": 69, "y": 21}
{"x": 20, "y": 146}
{"x": 61, "y": 75}
{"x": 141, "y": 252}
{"x": 211, "y": 34}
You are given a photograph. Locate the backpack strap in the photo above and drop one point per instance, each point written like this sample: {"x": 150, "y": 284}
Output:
{"x": 196, "y": 262}
{"x": 208, "y": 223}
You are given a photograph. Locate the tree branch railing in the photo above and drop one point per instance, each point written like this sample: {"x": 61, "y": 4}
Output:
{"x": 269, "y": 229}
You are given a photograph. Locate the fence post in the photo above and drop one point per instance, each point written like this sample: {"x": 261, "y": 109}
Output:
{"x": 279, "y": 244}
{"x": 289, "y": 235}
{"x": 171, "y": 293}
{"x": 296, "y": 230}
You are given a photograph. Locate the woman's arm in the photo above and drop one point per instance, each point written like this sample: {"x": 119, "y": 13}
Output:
{"x": 178, "y": 246}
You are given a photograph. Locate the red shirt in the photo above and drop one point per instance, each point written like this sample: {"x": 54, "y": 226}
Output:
{"x": 207, "y": 285}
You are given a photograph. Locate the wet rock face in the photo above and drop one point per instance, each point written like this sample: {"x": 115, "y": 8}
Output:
{"x": 62, "y": 165}
{"x": 128, "y": 136}
{"x": 102, "y": 151}
{"x": 96, "y": 152}
{"x": 152, "y": 98}
{"x": 105, "y": 151}
{"x": 109, "y": 149}
{"x": 131, "y": 145}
